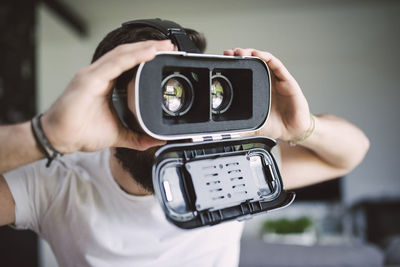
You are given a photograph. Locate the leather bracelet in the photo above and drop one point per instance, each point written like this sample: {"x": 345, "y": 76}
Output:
{"x": 42, "y": 141}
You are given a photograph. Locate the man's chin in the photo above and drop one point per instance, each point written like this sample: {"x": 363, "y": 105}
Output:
{"x": 138, "y": 164}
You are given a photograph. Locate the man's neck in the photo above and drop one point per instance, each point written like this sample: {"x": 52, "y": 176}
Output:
{"x": 124, "y": 178}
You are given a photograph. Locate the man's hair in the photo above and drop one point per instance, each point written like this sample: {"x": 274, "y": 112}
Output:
{"x": 137, "y": 163}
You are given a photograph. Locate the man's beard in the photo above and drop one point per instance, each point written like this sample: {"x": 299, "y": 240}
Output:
{"x": 139, "y": 164}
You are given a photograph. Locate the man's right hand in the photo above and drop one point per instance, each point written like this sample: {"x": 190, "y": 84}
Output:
{"x": 82, "y": 119}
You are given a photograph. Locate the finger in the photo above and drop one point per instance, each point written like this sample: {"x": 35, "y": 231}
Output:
{"x": 133, "y": 47}
{"x": 134, "y": 140}
{"x": 243, "y": 52}
{"x": 274, "y": 64}
{"x": 125, "y": 57}
{"x": 228, "y": 52}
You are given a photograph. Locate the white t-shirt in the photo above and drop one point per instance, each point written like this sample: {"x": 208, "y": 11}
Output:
{"x": 88, "y": 220}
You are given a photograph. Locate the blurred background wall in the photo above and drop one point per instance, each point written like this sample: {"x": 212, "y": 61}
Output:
{"x": 344, "y": 54}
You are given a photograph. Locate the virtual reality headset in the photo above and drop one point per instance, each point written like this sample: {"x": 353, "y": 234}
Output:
{"x": 208, "y": 100}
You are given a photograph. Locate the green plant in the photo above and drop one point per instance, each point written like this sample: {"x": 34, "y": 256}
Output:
{"x": 286, "y": 226}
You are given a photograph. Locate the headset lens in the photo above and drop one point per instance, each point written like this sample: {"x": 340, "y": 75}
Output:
{"x": 177, "y": 94}
{"x": 221, "y": 93}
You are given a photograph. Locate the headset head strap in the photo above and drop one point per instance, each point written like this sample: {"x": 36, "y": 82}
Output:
{"x": 172, "y": 31}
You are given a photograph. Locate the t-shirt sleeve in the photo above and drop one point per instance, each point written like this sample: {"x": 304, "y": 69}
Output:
{"x": 33, "y": 188}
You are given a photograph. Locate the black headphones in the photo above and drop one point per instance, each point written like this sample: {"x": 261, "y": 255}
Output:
{"x": 172, "y": 31}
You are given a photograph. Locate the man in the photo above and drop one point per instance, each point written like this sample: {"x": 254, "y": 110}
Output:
{"x": 97, "y": 209}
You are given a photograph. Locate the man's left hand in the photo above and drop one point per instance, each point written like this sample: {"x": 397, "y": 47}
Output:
{"x": 289, "y": 118}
